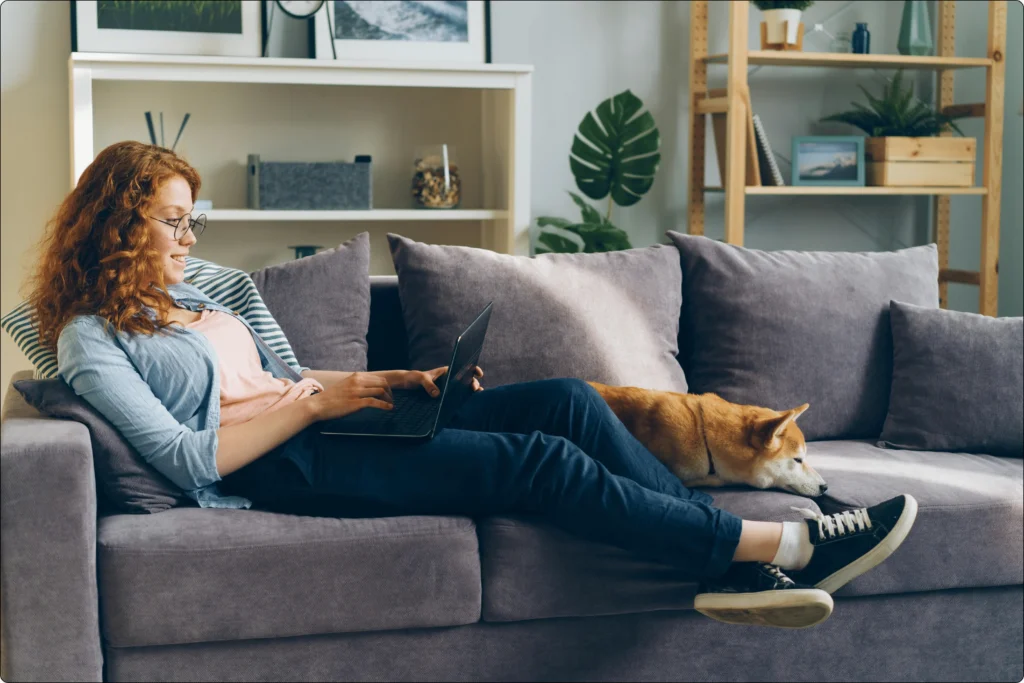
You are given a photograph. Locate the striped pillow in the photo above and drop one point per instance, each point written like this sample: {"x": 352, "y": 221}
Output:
{"x": 227, "y": 286}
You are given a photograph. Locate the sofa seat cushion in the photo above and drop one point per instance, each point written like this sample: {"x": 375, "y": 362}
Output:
{"x": 190, "y": 575}
{"x": 532, "y": 570}
{"x": 969, "y": 531}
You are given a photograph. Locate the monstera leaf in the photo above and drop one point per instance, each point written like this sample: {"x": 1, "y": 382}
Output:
{"x": 617, "y": 151}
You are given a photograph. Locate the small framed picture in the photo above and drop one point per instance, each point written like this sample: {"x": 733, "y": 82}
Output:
{"x": 828, "y": 160}
{"x": 387, "y": 31}
{"x": 217, "y": 28}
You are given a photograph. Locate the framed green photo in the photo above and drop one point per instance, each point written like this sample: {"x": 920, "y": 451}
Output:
{"x": 830, "y": 160}
{"x": 167, "y": 27}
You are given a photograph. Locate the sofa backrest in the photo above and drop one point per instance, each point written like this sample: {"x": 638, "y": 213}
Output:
{"x": 388, "y": 345}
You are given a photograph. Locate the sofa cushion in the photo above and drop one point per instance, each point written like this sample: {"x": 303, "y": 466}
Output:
{"x": 125, "y": 482}
{"x": 610, "y": 317}
{"x": 191, "y": 575}
{"x": 782, "y": 328}
{"x": 957, "y": 382}
{"x": 532, "y": 570}
{"x": 969, "y": 531}
{"x": 322, "y": 303}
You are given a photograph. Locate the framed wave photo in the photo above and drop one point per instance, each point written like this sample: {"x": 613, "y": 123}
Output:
{"x": 828, "y": 160}
{"x": 167, "y": 27}
{"x": 403, "y": 31}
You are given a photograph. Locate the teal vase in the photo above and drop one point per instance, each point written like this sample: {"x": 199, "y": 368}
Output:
{"x": 915, "y": 29}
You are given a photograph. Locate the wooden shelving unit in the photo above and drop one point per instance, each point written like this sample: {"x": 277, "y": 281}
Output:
{"x": 736, "y": 102}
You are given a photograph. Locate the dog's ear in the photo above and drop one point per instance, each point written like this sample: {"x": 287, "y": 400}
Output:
{"x": 770, "y": 429}
{"x": 799, "y": 410}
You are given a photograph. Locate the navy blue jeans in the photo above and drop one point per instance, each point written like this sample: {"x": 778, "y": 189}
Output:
{"x": 551, "y": 448}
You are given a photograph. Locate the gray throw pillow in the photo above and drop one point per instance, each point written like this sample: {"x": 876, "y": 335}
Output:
{"x": 125, "y": 482}
{"x": 957, "y": 382}
{"x": 609, "y": 317}
{"x": 322, "y": 303}
{"x": 782, "y": 328}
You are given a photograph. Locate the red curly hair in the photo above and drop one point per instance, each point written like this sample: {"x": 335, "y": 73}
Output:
{"x": 96, "y": 254}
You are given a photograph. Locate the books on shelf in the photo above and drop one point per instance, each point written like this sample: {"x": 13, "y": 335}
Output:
{"x": 770, "y": 173}
{"x": 761, "y": 166}
{"x": 718, "y": 126}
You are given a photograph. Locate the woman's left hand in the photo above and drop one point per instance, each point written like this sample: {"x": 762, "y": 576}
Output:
{"x": 410, "y": 379}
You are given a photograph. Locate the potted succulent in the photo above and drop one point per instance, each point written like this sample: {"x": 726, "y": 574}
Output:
{"x": 614, "y": 155}
{"x": 782, "y": 20}
{"x": 902, "y": 148}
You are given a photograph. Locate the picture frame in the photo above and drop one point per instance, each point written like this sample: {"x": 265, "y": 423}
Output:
{"x": 828, "y": 160}
{"x": 225, "y": 28}
{"x": 357, "y": 45}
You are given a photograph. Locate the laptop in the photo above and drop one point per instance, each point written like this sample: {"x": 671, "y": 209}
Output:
{"x": 416, "y": 415}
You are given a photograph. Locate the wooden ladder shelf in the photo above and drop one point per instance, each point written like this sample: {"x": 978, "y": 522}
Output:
{"x": 736, "y": 102}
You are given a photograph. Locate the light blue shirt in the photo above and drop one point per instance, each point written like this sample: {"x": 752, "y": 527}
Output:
{"x": 160, "y": 391}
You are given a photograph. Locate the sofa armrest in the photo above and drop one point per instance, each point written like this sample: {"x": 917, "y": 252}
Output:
{"x": 48, "y": 591}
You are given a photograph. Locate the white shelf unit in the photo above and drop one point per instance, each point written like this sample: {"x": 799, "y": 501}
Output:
{"x": 505, "y": 97}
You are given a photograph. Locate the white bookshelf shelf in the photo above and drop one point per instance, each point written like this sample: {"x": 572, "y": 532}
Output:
{"x": 247, "y": 215}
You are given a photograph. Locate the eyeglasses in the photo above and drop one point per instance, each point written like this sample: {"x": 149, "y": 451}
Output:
{"x": 185, "y": 223}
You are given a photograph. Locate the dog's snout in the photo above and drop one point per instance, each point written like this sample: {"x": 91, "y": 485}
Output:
{"x": 822, "y": 488}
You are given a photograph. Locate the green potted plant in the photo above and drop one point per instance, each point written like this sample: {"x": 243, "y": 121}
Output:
{"x": 614, "y": 155}
{"x": 782, "y": 19}
{"x": 902, "y": 148}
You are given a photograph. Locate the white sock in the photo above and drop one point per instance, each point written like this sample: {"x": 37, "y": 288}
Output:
{"x": 796, "y": 549}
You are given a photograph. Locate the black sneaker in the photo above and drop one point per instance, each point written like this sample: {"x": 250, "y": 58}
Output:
{"x": 760, "y": 594}
{"x": 847, "y": 544}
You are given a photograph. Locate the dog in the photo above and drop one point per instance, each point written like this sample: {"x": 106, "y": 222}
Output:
{"x": 707, "y": 441}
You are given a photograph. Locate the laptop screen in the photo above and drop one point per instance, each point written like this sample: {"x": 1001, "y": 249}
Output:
{"x": 459, "y": 378}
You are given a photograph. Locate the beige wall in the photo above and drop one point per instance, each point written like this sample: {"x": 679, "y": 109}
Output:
{"x": 35, "y": 38}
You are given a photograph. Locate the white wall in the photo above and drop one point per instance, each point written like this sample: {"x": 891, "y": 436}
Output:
{"x": 583, "y": 52}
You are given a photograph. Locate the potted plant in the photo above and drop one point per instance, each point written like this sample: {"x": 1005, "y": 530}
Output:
{"x": 902, "y": 148}
{"x": 781, "y": 22}
{"x": 615, "y": 156}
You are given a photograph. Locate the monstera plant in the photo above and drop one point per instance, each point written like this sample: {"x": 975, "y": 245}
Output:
{"x": 613, "y": 155}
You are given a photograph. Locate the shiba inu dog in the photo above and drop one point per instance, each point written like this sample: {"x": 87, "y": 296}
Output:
{"x": 707, "y": 441}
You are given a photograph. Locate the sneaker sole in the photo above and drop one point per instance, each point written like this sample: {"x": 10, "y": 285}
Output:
{"x": 875, "y": 556}
{"x": 791, "y": 608}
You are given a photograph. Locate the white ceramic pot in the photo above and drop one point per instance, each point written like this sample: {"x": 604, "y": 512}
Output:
{"x": 779, "y": 31}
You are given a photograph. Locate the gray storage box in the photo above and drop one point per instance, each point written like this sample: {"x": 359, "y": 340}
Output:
{"x": 317, "y": 185}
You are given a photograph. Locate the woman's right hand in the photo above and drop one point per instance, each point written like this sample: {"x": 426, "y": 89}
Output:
{"x": 358, "y": 390}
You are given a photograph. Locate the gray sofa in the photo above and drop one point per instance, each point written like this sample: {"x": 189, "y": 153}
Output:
{"x": 192, "y": 594}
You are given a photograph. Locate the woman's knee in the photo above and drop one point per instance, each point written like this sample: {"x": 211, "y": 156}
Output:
{"x": 573, "y": 388}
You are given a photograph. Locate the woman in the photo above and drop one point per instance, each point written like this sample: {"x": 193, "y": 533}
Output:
{"x": 196, "y": 392}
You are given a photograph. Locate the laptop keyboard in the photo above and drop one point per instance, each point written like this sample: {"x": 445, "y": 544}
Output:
{"x": 414, "y": 413}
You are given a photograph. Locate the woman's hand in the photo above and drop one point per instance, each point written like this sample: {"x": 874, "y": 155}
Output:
{"x": 358, "y": 390}
{"x": 410, "y": 379}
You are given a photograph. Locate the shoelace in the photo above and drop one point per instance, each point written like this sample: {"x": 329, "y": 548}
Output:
{"x": 840, "y": 523}
{"x": 777, "y": 573}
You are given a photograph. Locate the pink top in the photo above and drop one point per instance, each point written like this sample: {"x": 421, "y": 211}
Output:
{"x": 246, "y": 389}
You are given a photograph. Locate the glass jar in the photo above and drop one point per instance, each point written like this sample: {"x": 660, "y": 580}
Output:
{"x": 435, "y": 178}
{"x": 841, "y": 42}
